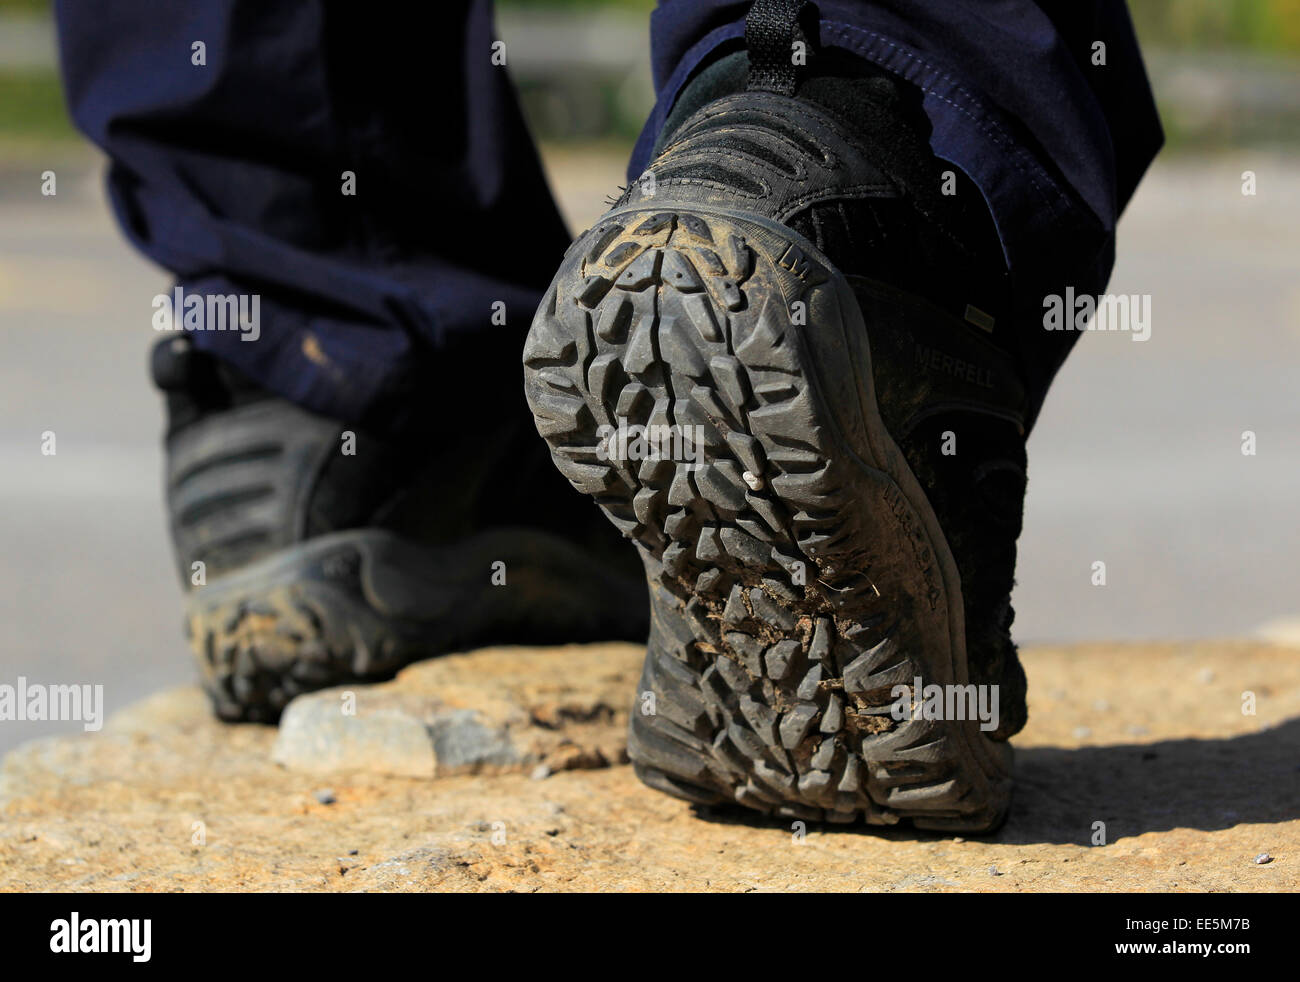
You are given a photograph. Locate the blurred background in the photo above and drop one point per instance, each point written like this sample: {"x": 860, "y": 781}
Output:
{"x": 1136, "y": 461}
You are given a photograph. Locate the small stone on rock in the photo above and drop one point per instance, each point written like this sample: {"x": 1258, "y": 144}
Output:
{"x": 1263, "y": 858}
{"x": 324, "y": 795}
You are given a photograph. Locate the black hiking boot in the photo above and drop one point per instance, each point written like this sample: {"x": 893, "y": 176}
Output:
{"x": 812, "y": 334}
{"x": 315, "y": 554}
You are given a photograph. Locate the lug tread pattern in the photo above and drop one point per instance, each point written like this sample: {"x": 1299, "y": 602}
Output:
{"x": 772, "y": 652}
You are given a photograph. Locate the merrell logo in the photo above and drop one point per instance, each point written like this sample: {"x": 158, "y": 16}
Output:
{"x": 967, "y": 371}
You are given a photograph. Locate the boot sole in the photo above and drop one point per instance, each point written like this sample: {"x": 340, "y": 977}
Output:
{"x": 359, "y": 605}
{"x": 798, "y": 574}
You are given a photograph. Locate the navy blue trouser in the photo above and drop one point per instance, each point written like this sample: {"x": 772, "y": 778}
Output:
{"x": 230, "y": 173}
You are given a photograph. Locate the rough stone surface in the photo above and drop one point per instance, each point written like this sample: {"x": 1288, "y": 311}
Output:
{"x": 1150, "y": 740}
{"x": 439, "y": 718}
{"x": 317, "y": 737}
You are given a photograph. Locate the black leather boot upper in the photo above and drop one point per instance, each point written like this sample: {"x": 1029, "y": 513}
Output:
{"x": 249, "y": 473}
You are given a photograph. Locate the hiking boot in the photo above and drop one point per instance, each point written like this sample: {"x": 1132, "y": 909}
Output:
{"x": 315, "y": 554}
{"x": 809, "y": 339}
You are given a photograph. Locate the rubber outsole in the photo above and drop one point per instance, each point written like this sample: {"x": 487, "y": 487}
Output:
{"x": 797, "y": 572}
{"x": 357, "y": 606}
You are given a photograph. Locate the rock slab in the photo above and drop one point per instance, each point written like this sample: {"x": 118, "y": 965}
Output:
{"x": 504, "y": 769}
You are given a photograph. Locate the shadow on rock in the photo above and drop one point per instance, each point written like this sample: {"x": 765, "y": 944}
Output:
{"x": 1206, "y": 784}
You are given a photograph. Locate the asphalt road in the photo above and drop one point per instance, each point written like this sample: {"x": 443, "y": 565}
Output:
{"x": 1136, "y": 461}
